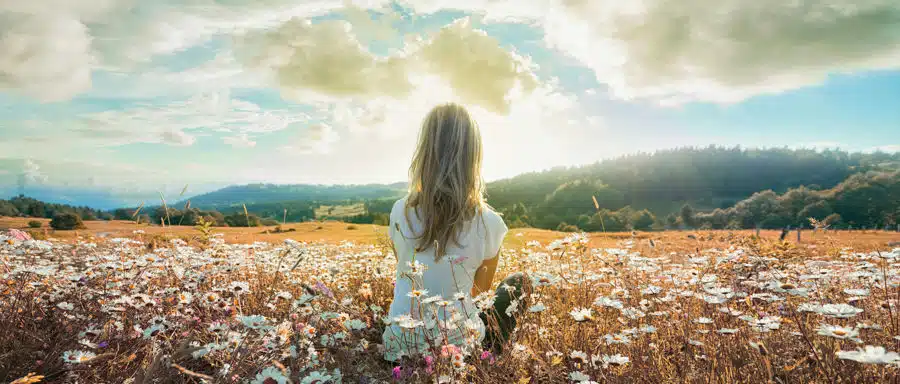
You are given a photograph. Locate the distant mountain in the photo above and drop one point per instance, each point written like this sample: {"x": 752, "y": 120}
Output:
{"x": 259, "y": 194}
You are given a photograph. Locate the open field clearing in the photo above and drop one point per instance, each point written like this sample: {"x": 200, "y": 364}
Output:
{"x": 340, "y": 210}
{"x": 170, "y": 305}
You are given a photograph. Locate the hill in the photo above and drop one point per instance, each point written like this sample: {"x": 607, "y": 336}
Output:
{"x": 261, "y": 194}
{"x": 664, "y": 182}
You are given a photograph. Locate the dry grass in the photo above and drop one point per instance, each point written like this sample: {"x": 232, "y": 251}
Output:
{"x": 339, "y": 211}
{"x": 125, "y": 303}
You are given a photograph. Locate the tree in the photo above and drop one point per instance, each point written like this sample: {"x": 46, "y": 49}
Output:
{"x": 239, "y": 219}
{"x": 66, "y": 221}
{"x": 687, "y": 216}
{"x": 643, "y": 220}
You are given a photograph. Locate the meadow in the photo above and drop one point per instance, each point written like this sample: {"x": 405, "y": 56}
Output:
{"x": 121, "y": 303}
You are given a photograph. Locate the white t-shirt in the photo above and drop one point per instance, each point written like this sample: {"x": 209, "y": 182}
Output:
{"x": 451, "y": 278}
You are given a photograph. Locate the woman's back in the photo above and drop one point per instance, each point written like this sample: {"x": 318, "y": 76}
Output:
{"x": 453, "y": 274}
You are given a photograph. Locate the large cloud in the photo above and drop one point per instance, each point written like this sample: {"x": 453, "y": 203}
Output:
{"x": 326, "y": 58}
{"x": 708, "y": 50}
{"x": 45, "y": 57}
{"x": 476, "y": 66}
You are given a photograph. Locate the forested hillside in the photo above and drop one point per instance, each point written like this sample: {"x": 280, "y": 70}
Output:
{"x": 662, "y": 182}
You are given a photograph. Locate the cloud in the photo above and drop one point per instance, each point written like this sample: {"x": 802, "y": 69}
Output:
{"x": 177, "y": 138}
{"x": 46, "y": 57}
{"x": 476, "y": 66}
{"x": 239, "y": 141}
{"x": 719, "y": 51}
{"x": 168, "y": 123}
{"x": 892, "y": 148}
{"x": 32, "y": 172}
{"x": 317, "y": 139}
{"x": 325, "y": 58}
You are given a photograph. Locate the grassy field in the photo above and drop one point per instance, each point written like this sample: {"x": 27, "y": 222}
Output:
{"x": 171, "y": 305}
{"x": 339, "y": 211}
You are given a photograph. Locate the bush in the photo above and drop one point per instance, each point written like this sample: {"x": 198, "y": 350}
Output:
{"x": 351, "y": 227}
{"x": 34, "y": 224}
{"x": 66, "y": 221}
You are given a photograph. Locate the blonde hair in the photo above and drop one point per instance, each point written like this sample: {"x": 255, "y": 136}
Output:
{"x": 445, "y": 188}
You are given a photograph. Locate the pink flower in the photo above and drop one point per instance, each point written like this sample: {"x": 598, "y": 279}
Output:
{"x": 459, "y": 260}
{"x": 397, "y": 373}
{"x": 487, "y": 355}
{"x": 19, "y": 235}
{"x": 449, "y": 350}
{"x": 429, "y": 364}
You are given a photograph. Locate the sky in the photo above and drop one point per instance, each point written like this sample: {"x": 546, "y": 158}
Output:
{"x": 137, "y": 97}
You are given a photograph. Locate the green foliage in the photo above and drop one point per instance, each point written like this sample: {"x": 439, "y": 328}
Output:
{"x": 863, "y": 200}
{"x": 239, "y": 219}
{"x": 34, "y": 224}
{"x": 29, "y": 207}
{"x": 66, "y": 221}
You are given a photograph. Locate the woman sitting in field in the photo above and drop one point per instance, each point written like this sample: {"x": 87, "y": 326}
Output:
{"x": 447, "y": 242}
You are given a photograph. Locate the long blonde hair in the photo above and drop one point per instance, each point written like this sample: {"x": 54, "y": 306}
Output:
{"x": 445, "y": 188}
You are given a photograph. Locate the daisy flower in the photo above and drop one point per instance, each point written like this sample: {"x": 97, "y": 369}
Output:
{"x": 870, "y": 355}
{"x": 270, "y": 375}
{"x": 581, "y": 314}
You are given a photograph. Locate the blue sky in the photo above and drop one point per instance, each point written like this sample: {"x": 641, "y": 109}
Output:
{"x": 135, "y": 99}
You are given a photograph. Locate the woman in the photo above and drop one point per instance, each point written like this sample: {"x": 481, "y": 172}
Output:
{"x": 447, "y": 243}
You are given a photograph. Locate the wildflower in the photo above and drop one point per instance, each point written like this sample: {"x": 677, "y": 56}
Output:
{"x": 839, "y": 311}
{"x": 539, "y": 307}
{"x": 256, "y": 322}
{"x": 415, "y": 293}
{"x": 78, "y": 357}
{"x": 407, "y": 322}
{"x": 153, "y": 330}
{"x": 316, "y": 377}
{"x": 617, "y": 360}
{"x": 727, "y": 331}
{"x": 581, "y": 314}
{"x": 578, "y": 377}
{"x": 512, "y": 307}
{"x": 579, "y": 357}
{"x": 839, "y": 332}
{"x": 857, "y": 292}
{"x": 239, "y": 287}
{"x": 65, "y": 306}
{"x": 618, "y": 338}
{"x": 270, "y": 375}
{"x": 703, "y": 320}
{"x": 604, "y": 301}
{"x": 870, "y": 355}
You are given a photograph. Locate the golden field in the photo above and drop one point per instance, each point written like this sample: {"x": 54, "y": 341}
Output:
{"x": 110, "y": 305}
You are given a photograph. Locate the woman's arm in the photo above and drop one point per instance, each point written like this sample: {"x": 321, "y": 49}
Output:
{"x": 484, "y": 275}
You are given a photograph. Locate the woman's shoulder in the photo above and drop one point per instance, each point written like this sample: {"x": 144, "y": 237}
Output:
{"x": 492, "y": 218}
{"x": 398, "y": 210}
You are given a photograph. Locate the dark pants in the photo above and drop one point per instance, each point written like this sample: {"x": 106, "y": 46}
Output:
{"x": 499, "y": 325}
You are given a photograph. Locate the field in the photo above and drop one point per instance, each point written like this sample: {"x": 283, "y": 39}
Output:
{"x": 118, "y": 302}
{"x": 339, "y": 211}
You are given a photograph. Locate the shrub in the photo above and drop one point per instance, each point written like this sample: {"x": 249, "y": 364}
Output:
{"x": 351, "y": 227}
{"x": 34, "y": 224}
{"x": 66, "y": 221}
